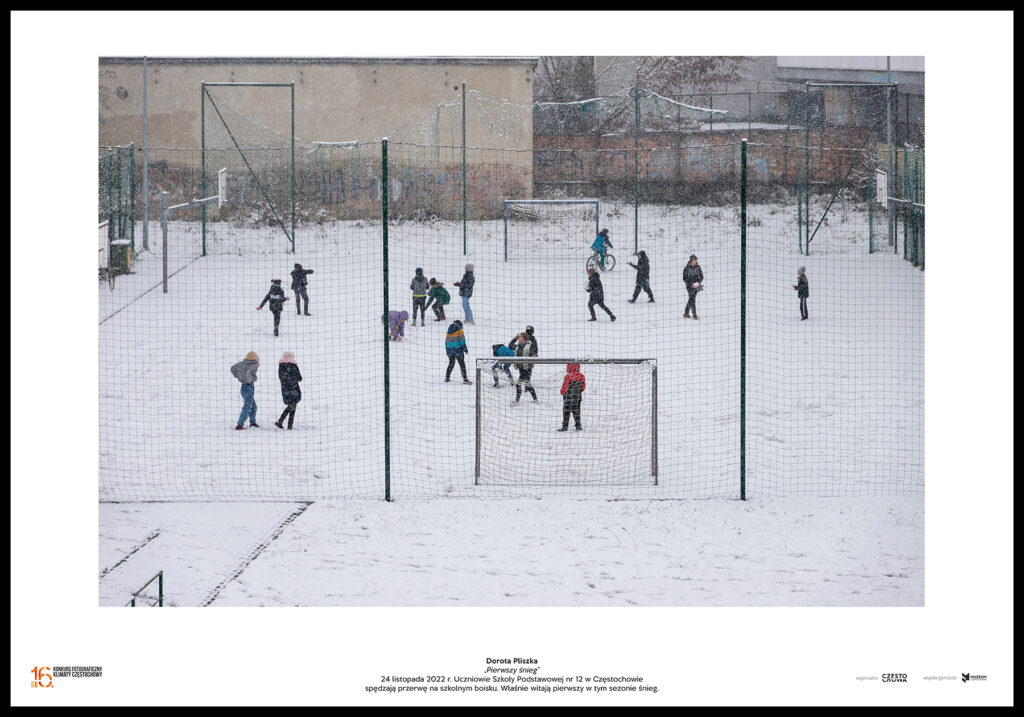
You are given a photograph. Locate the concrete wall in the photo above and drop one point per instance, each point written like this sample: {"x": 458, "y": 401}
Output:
{"x": 335, "y": 99}
{"x": 413, "y": 102}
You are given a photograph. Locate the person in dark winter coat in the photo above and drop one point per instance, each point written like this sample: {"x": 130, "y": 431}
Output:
{"x": 526, "y": 372}
{"x": 276, "y": 298}
{"x": 643, "y": 276}
{"x": 299, "y": 287}
{"x": 501, "y": 350}
{"x": 524, "y": 347}
{"x": 530, "y": 335}
{"x": 465, "y": 285}
{"x": 395, "y": 321}
{"x": 419, "y": 287}
{"x": 245, "y": 371}
{"x": 438, "y": 296}
{"x": 289, "y": 375}
{"x": 455, "y": 347}
{"x": 692, "y": 277}
{"x": 573, "y": 386}
{"x": 596, "y": 291}
{"x": 802, "y": 291}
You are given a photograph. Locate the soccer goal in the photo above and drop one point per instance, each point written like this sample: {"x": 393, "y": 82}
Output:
{"x": 519, "y": 444}
{"x": 550, "y": 228}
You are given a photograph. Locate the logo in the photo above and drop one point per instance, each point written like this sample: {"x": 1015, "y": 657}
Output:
{"x": 41, "y": 677}
{"x": 894, "y": 677}
{"x": 44, "y": 676}
{"x": 968, "y": 677}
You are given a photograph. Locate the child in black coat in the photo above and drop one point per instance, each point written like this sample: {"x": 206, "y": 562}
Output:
{"x": 289, "y": 375}
{"x": 276, "y": 298}
{"x": 802, "y": 291}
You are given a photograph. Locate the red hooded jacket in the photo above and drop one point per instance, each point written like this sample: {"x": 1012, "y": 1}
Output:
{"x": 572, "y": 375}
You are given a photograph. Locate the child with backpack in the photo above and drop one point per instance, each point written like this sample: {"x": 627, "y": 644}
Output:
{"x": 276, "y": 298}
{"x": 501, "y": 350}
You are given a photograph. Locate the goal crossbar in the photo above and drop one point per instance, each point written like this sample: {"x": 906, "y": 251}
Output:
{"x": 524, "y": 204}
{"x": 484, "y": 364}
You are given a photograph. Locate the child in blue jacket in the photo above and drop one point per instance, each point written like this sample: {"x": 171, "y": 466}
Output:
{"x": 500, "y": 350}
{"x": 455, "y": 347}
{"x": 602, "y": 244}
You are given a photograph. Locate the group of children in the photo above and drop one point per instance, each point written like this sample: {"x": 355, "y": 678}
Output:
{"x": 427, "y": 293}
{"x": 288, "y": 370}
{"x": 276, "y": 298}
{"x": 287, "y": 373}
{"x": 693, "y": 280}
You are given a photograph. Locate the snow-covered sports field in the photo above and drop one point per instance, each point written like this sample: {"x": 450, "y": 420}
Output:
{"x": 834, "y": 440}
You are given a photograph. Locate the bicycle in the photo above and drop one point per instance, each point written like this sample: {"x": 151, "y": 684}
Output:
{"x": 594, "y": 262}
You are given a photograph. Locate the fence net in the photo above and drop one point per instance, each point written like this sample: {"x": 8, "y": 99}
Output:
{"x": 749, "y": 396}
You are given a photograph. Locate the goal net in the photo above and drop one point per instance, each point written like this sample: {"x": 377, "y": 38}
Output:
{"x": 550, "y": 228}
{"x": 520, "y": 449}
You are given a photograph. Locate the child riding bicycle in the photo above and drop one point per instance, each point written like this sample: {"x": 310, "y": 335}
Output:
{"x": 602, "y": 244}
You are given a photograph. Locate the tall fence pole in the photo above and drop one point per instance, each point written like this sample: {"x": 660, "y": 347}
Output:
{"x": 131, "y": 193}
{"x": 293, "y": 169}
{"x": 888, "y": 150}
{"x": 110, "y": 206}
{"x": 465, "y": 175}
{"x": 387, "y": 354}
{"x": 743, "y": 320}
{"x": 163, "y": 228}
{"x": 202, "y": 160}
{"x": 636, "y": 168}
{"x": 807, "y": 167}
{"x": 145, "y": 160}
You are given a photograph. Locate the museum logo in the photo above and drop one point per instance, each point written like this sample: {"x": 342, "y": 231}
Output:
{"x": 968, "y": 677}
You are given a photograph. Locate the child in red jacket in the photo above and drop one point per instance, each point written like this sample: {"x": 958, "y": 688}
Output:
{"x": 573, "y": 386}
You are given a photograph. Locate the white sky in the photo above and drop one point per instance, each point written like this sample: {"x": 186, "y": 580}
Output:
{"x": 786, "y": 655}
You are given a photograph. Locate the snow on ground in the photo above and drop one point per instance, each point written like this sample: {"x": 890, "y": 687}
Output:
{"x": 834, "y": 410}
{"x": 523, "y": 552}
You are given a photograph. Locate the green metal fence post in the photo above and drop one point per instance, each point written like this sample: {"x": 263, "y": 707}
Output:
{"x": 293, "y": 168}
{"x": 636, "y": 168}
{"x": 919, "y": 214}
{"x": 387, "y": 368}
{"x": 110, "y": 207}
{"x": 807, "y": 167}
{"x": 131, "y": 194}
{"x": 871, "y": 226}
{"x": 465, "y": 175}
{"x": 743, "y": 320}
{"x": 202, "y": 161}
{"x": 799, "y": 209}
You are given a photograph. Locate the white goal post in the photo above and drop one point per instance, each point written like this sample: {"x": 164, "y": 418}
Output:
{"x": 546, "y": 210}
{"x": 519, "y": 443}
